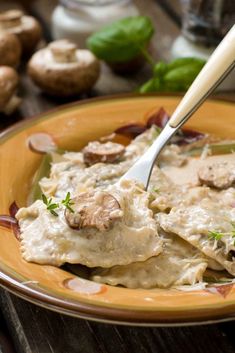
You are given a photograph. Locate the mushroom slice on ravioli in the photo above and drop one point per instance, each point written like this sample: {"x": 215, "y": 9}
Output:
{"x": 130, "y": 236}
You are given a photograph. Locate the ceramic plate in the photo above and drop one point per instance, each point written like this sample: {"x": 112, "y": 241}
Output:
{"x": 72, "y": 127}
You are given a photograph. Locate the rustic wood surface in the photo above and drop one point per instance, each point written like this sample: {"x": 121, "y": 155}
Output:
{"x": 26, "y": 328}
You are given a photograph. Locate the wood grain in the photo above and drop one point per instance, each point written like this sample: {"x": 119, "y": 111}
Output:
{"x": 37, "y": 330}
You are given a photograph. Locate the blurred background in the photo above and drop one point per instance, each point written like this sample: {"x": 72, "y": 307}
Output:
{"x": 179, "y": 29}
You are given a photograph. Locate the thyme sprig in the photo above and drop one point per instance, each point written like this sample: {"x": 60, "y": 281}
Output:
{"x": 155, "y": 189}
{"x": 219, "y": 235}
{"x": 67, "y": 202}
{"x": 215, "y": 235}
{"x": 50, "y": 205}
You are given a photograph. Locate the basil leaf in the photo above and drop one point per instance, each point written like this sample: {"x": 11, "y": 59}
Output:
{"x": 160, "y": 69}
{"x": 153, "y": 85}
{"x": 177, "y": 75}
{"x": 180, "y": 77}
{"x": 122, "y": 40}
{"x": 187, "y": 61}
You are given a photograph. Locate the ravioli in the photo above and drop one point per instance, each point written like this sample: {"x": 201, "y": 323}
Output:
{"x": 125, "y": 248}
{"x": 178, "y": 264}
{"x": 196, "y": 222}
{"x": 47, "y": 239}
{"x": 167, "y": 194}
{"x": 72, "y": 175}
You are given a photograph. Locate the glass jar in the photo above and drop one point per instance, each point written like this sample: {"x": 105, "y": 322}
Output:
{"x": 78, "y": 19}
{"x": 204, "y": 24}
{"x": 207, "y": 21}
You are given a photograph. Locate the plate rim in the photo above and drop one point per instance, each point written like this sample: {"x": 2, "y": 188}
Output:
{"x": 35, "y": 117}
{"x": 89, "y": 311}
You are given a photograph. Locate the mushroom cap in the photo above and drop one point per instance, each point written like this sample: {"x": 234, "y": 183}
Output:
{"x": 26, "y": 28}
{"x": 10, "y": 49}
{"x": 96, "y": 152}
{"x": 9, "y": 80}
{"x": 63, "y": 70}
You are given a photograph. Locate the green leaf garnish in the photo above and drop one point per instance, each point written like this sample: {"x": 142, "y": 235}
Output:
{"x": 218, "y": 235}
{"x": 216, "y": 280}
{"x": 67, "y": 202}
{"x": 50, "y": 205}
{"x": 155, "y": 189}
{"x": 213, "y": 149}
{"x": 174, "y": 76}
{"x": 43, "y": 171}
{"x": 215, "y": 235}
{"x": 122, "y": 40}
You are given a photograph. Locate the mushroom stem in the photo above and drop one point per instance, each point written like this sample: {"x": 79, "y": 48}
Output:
{"x": 63, "y": 51}
{"x": 12, "y": 104}
{"x": 11, "y": 18}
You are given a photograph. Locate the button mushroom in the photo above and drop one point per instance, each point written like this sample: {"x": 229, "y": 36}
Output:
{"x": 26, "y": 28}
{"x": 220, "y": 175}
{"x": 95, "y": 209}
{"x": 108, "y": 152}
{"x": 62, "y": 69}
{"x": 10, "y": 49}
{"x": 8, "y": 83}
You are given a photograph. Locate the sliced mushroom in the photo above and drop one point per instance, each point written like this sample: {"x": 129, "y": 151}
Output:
{"x": 41, "y": 142}
{"x": 96, "y": 152}
{"x": 10, "y": 49}
{"x": 8, "y": 83}
{"x": 64, "y": 70}
{"x": 95, "y": 209}
{"x": 220, "y": 175}
{"x": 26, "y": 28}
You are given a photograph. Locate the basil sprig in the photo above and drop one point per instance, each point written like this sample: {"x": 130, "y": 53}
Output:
{"x": 174, "y": 76}
{"x": 123, "y": 40}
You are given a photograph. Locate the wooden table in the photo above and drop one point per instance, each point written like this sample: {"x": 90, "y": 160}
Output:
{"x": 27, "y": 328}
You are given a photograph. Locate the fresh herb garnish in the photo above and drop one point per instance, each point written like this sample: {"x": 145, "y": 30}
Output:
{"x": 213, "y": 149}
{"x": 174, "y": 76}
{"x": 156, "y": 132}
{"x": 218, "y": 235}
{"x": 50, "y": 205}
{"x": 216, "y": 280}
{"x": 123, "y": 40}
{"x": 67, "y": 202}
{"x": 155, "y": 189}
{"x": 126, "y": 39}
{"x": 215, "y": 235}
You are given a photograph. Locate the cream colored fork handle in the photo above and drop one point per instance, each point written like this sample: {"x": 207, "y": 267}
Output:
{"x": 218, "y": 66}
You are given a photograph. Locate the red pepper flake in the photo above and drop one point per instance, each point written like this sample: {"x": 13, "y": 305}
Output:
{"x": 225, "y": 289}
{"x": 158, "y": 118}
{"x": 189, "y": 136}
{"x": 13, "y": 209}
{"x": 10, "y": 222}
{"x": 131, "y": 130}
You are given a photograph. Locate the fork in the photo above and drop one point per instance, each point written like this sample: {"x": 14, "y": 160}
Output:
{"x": 212, "y": 74}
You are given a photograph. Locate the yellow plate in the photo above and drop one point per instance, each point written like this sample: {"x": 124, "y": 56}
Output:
{"x": 72, "y": 127}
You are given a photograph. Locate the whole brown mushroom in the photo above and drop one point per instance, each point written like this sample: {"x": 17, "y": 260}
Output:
{"x": 62, "y": 69}
{"x": 9, "y": 80}
{"x": 10, "y": 50}
{"x": 26, "y": 28}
